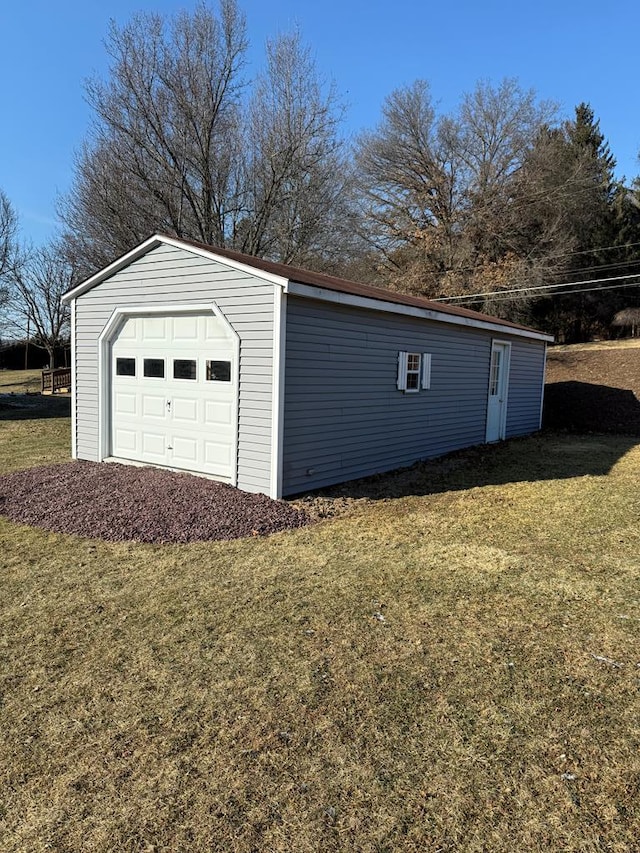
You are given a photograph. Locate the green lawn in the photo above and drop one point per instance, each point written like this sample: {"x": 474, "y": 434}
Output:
{"x": 455, "y": 668}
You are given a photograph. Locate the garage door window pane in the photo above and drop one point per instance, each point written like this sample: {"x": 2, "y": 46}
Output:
{"x": 218, "y": 371}
{"x": 184, "y": 368}
{"x": 154, "y": 368}
{"x": 126, "y": 366}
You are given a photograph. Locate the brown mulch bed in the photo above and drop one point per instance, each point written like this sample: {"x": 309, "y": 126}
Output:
{"x": 122, "y": 502}
{"x": 593, "y": 390}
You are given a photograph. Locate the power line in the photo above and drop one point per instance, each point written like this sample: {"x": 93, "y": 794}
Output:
{"x": 595, "y": 268}
{"x": 591, "y": 251}
{"x": 598, "y": 267}
{"x": 581, "y": 185}
{"x": 570, "y": 292}
{"x": 472, "y": 296}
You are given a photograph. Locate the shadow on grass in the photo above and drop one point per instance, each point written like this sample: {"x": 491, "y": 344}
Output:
{"x": 28, "y": 407}
{"x": 584, "y": 407}
{"x": 24, "y": 387}
{"x": 587, "y": 430}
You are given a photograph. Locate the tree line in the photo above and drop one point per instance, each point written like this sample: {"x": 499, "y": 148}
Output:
{"x": 492, "y": 205}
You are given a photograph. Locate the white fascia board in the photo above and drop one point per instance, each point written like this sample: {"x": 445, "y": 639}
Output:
{"x": 154, "y": 242}
{"x": 74, "y": 395}
{"x": 542, "y": 390}
{"x": 312, "y": 292}
{"x": 108, "y": 271}
{"x": 221, "y": 259}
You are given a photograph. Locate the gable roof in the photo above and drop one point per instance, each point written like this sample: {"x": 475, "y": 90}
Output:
{"x": 285, "y": 275}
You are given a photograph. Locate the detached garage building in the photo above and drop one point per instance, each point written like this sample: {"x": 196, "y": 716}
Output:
{"x": 280, "y": 380}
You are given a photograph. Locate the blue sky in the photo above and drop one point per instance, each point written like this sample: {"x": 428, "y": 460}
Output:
{"x": 567, "y": 51}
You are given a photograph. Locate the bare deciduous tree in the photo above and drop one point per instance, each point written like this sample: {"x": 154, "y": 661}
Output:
{"x": 180, "y": 145}
{"x": 8, "y": 236}
{"x": 296, "y": 171}
{"x": 441, "y": 188}
{"x": 498, "y": 127}
{"x": 161, "y": 154}
{"x": 408, "y": 172}
{"x": 35, "y": 288}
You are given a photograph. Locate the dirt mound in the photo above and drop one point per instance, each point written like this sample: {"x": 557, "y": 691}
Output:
{"x": 122, "y": 502}
{"x": 593, "y": 388}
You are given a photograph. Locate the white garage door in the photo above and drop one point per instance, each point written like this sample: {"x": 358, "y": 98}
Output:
{"x": 173, "y": 393}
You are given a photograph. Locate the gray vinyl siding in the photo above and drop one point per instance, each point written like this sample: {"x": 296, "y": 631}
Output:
{"x": 526, "y": 373}
{"x": 166, "y": 276}
{"x": 345, "y": 418}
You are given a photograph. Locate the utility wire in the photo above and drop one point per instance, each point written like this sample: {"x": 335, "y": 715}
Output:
{"x": 594, "y": 267}
{"x": 591, "y": 251}
{"x": 525, "y": 289}
{"x": 568, "y": 292}
{"x": 598, "y": 267}
{"x": 545, "y": 258}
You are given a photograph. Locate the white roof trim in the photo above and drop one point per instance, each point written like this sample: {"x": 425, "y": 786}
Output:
{"x": 305, "y": 290}
{"x": 313, "y": 292}
{"x": 154, "y": 242}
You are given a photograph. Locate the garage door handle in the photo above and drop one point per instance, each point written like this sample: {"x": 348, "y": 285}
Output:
{"x": 168, "y": 404}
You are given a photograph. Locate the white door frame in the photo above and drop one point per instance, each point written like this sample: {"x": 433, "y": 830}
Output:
{"x": 503, "y": 389}
{"x": 104, "y": 368}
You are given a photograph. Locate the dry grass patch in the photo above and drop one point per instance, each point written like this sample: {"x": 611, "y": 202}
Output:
{"x": 25, "y": 442}
{"x": 454, "y": 668}
{"x": 621, "y": 343}
{"x": 20, "y": 381}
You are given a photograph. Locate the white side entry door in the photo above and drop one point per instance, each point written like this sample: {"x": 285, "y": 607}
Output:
{"x": 498, "y": 391}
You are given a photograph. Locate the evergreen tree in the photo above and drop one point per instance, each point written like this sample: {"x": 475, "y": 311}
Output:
{"x": 597, "y": 223}
{"x": 584, "y": 133}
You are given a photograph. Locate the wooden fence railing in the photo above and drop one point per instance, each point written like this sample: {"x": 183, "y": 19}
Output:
{"x": 55, "y": 381}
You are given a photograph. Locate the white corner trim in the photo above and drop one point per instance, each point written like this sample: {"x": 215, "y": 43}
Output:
{"x": 118, "y": 316}
{"x": 277, "y": 405}
{"x": 544, "y": 379}
{"x": 153, "y": 243}
{"x": 74, "y": 399}
{"x": 336, "y": 296}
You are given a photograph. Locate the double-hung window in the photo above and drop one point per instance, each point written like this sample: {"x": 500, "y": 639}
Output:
{"x": 414, "y": 371}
